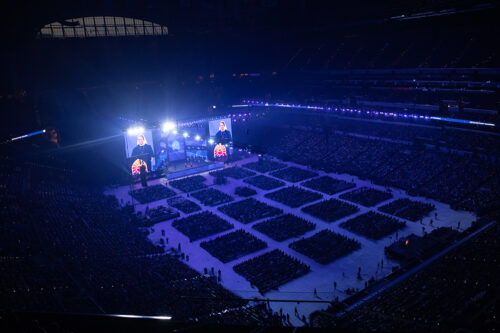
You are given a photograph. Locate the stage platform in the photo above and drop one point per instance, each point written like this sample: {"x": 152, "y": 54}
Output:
{"x": 180, "y": 169}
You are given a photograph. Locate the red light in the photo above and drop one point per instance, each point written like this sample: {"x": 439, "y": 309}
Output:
{"x": 407, "y": 242}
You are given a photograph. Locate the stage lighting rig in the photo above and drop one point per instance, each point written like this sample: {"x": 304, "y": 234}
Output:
{"x": 168, "y": 127}
{"x": 135, "y": 130}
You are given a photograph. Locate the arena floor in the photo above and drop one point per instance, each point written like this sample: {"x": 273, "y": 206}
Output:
{"x": 321, "y": 277}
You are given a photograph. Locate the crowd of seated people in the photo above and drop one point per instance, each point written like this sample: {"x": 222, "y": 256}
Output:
{"x": 366, "y": 196}
{"x": 11, "y": 179}
{"x": 414, "y": 247}
{"x": 152, "y": 216}
{"x": 184, "y": 205}
{"x": 212, "y": 197}
{"x": 373, "y": 225}
{"x": 328, "y": 185}
{"x": 151, "y": 193}
{"x": 30, "y": 286}
{"x": 456, "y": 292}
{"x": 248, "y": 315}
{"x": 189, "y": 184}
{"x": 264, "y": 182}
{"x": 249, "y": 210}
{"x": 233, "y": 172}
{"x": 201, "y": 225}
{"x": 485, "y": 197}
{"x": 330, "y": 210}
{"x": 325, "y": 246}
{"x": 397, "y": 133}
{"x": 234, "y": 245}
{"x": 456, "y": 178}
{"x": 271, "y": 270}
{"x": 408, "y": 209}
{"x": 244, "y": 191}
{"x": 159, "y": 284}
{"x": 293, "y": 196}
{"x": 293, "y": 174}
{"x": 63, "y": 216}
{"x": 160, "y": 213}
{"x": 70, "y": 249}
{"x": 265, "y": 165}
{"x": 284, "y": 227}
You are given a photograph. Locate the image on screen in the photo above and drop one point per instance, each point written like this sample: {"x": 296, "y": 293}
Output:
{"x": 139, "y": 151}
{"x": 196, "y": 142}
{"x": 221, "y": 133}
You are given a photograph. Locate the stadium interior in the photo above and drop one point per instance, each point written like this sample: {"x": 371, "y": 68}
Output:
{"x": 253, "y": 165}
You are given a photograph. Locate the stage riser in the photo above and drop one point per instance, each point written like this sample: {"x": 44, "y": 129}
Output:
{"x": 192, "y": 171}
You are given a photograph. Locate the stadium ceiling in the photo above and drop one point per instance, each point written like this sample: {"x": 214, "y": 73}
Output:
{"x": 101, "y": 26}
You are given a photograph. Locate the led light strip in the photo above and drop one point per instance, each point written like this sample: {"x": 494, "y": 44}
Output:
{"x": 376, "y": 113}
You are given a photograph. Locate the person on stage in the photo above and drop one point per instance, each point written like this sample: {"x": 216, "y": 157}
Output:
{"x": 143, "y": 148}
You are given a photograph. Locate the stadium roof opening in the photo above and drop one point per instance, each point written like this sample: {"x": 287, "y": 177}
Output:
{"x": 101, "y": 26}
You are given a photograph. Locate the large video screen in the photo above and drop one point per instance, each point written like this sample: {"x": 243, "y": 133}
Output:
{"x": 222, "y": 137}
{"x": 169, "y": 147}
{"x": 140, "y": 152}
{"x": 156, "y": 149}
{"x": 196, "y": 141}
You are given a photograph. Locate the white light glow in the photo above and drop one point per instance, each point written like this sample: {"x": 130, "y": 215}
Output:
{"x": 168, "y": 126}
{"x": 185, "y": 134}
{"x": 135, "y": 130}
{"x": 197, "y": 138}
{"x": 143, "y": 317}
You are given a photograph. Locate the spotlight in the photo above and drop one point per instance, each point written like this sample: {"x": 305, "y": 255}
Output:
{"x": 185, "y": 134}
{"x": 197, "y": 138}
{"x": 211, "y": 141}
{"x": 174, "y": 131}
{"x": 135, "y": 130}
{"x": 168, "y": 126}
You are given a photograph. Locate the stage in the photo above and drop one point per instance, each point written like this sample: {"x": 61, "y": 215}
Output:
{"x": 184, "y": 168}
